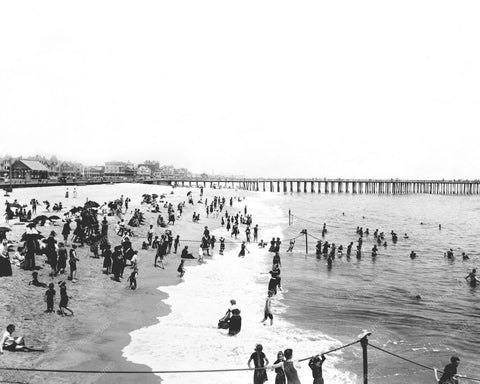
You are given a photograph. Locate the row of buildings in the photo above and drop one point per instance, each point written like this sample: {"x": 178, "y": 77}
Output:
{"x": 42, "y": 168}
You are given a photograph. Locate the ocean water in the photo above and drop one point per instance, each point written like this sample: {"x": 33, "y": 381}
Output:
{"x": 378, "y": 294}
{"x": 319, "y": 308}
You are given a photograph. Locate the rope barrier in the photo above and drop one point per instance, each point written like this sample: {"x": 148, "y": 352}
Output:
{"x": 418, "y": 364}
{"x": 314, "y": 222}
{"x": 45, "y": 370}
{"x": 241, "y": 242}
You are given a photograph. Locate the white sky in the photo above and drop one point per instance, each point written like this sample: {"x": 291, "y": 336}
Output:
{"x": 260, "y": 88}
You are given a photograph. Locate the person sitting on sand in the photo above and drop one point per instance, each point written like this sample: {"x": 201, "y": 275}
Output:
{"x": 19, "y": 257}
{"x": 35, "y": 281}
{"x": 185, "y": 254}
{"x": 10, "y": 343}
{"x": 235, "y": 323}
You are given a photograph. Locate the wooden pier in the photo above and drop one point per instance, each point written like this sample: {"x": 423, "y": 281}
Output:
{"x": 353, "y": 186}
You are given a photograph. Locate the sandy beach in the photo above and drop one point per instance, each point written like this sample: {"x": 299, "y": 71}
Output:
{"x": 105, "y": 311}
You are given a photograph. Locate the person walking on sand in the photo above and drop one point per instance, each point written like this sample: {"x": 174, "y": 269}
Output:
{"x": 66, "y": 231}
{"x": 64, "y": 299}
{"x": 259, "y": 360}
{"x": 159, "y": 254}
{"x": 181, "y": 268}
{"x": 150, "y": 235}
{"x": 200, "y": 255}
{"x": 176, "y": 243}
{"x": 133, "y": 279}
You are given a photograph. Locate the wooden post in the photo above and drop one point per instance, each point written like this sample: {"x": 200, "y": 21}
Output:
{"x": 289, "y": 215}
{"x": 364, "y": 344}
{"x": 306, "y": 241}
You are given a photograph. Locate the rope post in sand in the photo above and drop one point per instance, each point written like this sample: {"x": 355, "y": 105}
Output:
{"x": 364, "y": 344}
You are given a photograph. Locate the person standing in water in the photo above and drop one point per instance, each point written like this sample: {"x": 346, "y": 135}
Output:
{"x": 243, "y": 248}
{"x": 315, "y": 365}
{"x": 450, "y": 372}
{"x": 290, "y": 367}
{"x": 472, "y": 278}
{"x": 268, "y": 309}
{"x": 280, "y": 377}
{"x": 259, "y": 360}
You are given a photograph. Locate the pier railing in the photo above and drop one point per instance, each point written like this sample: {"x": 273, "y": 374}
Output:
{"x": 316, "y": 185}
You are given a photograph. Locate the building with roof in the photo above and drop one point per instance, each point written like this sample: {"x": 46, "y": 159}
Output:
{"x": 29, "y": 169}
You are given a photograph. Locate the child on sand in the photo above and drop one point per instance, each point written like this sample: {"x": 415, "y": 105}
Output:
{"x": 133, "y": 279}
{"x": 64, "y": 299}
{"x": 49, "y": 297}
{"x": 181, "y": 268}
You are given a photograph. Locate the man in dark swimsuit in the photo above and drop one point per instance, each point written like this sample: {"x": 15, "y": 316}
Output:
{"x": 450, "y": 372}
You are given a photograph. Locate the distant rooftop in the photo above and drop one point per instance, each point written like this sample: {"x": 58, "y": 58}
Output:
{"x": 34, "y": 165}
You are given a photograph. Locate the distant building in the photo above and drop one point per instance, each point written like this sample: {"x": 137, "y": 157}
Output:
{"x": 95, "y": 171}
{"x": 29, "y": 169}
{"x": 144, "y": 170}
{"x": 119, "y": 168}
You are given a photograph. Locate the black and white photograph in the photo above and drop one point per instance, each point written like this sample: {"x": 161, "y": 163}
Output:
{"x": 239, "y": 192}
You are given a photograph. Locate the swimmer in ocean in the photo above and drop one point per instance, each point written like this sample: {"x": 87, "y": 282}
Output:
{"x": 472, "y": 276}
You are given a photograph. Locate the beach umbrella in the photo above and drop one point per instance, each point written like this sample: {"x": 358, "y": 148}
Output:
{"x": 15, "y": 205}
{"x": 31, "y": 236}
{"x": 189, "y": 193}
{"x": 91, "y": 204}
{"x": 54, "y": 217}
{"x": 5, "y": 229}
{"x": 76, "y": 209}
{"x": 40, "y": 218}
